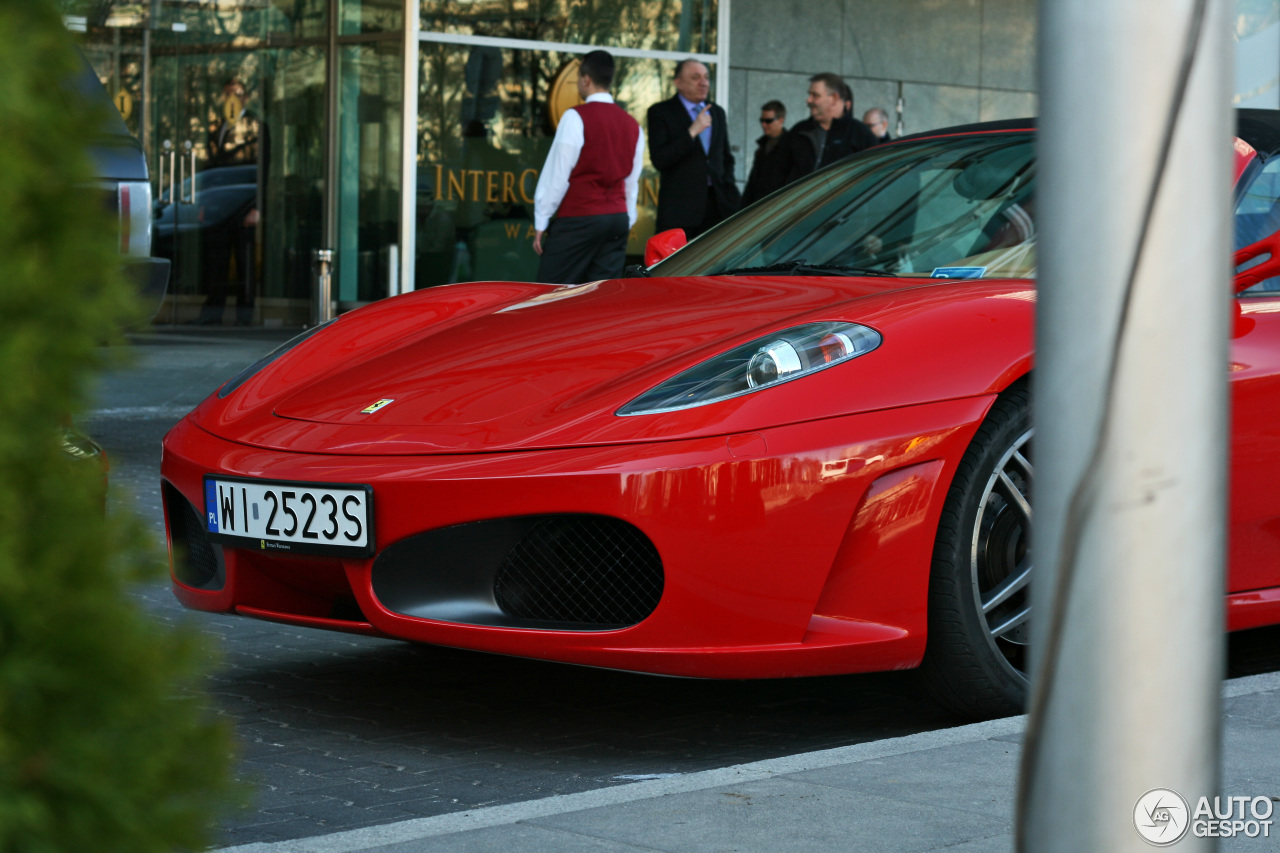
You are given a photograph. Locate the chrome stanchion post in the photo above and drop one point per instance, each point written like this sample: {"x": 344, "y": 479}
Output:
{"x": 324, "y": 285}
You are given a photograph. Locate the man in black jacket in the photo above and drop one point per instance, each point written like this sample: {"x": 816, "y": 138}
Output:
{"x": 689, "y": 146}
{"x": 832, "y": 132}
{"x": 774, "y": 155}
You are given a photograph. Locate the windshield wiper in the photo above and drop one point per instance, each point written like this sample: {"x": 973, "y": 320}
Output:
{"x": 803, "y": 267}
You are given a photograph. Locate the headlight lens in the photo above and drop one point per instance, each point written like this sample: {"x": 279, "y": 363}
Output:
{"x": 244, "y": 375}
{"x": 763, "y": 363}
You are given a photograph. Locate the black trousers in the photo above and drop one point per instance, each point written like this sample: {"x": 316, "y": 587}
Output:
{"x": 578, "y": 249}
{"x": 218, "y": 260}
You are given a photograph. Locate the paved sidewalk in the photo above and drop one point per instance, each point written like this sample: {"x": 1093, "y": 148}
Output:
{"x": 950, "y": 790}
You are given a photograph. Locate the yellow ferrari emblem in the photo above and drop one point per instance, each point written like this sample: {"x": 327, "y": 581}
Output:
{"x": 369, "y": 410}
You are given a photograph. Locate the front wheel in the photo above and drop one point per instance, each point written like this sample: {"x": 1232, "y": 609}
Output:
{"x": 976, "y": 660}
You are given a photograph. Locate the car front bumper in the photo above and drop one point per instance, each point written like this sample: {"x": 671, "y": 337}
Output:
{"x": 797, "y": 550}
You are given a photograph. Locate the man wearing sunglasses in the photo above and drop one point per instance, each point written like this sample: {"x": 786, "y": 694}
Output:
{"x": 775, "y": 157}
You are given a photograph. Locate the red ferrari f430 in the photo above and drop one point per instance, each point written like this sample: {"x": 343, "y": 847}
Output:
{"x": 799, "y": 445}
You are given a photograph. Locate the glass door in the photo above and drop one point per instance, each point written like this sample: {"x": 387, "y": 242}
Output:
{"x": 229, "y": 101}
{"x": 207, "y": 146}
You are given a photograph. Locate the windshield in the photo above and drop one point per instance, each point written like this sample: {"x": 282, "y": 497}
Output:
{"x": 960, "y": 207}
{"x": 1257, "y": 215}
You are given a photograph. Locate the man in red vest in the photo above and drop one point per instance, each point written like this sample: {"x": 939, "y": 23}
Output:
{"x": 589, "y": 183}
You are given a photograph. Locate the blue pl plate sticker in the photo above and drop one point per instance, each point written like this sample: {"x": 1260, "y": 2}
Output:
{"x": 211, "y": 505}
{"x": 959, "y": 272}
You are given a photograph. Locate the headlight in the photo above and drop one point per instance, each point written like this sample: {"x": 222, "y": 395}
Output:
{"x": 243, "y": 376}
{"x": 763, "y": 363}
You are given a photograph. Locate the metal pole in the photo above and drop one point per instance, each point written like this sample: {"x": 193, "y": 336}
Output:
{"x": 722, "y": 55}
{"x": 1131, "y": 412}
{"x": 324, "y": 285}
{"x": 333, "y": 104}
{"x": 144, "y": 120}
{"x": 408, "y": 251}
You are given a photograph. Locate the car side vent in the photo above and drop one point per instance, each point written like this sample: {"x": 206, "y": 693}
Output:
{"x": 584, "y": 569}
{"x": 195, "y": 559}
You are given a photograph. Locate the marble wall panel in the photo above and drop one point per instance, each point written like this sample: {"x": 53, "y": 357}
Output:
{"x": 922, "y": 41}
{"x": 768, "y": 35}
{"x": 997, "y": 104}
{"x": 1009, "y": 44}
{"x": 958, "y": 61}
{"x": 930, "y": 107}
{"x": 738, "y": 115}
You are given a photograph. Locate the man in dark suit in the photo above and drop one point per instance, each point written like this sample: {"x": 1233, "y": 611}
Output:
{"x": 689, "y": 146}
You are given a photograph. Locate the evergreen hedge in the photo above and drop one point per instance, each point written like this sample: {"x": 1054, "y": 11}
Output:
{"x": 104, "y": 745}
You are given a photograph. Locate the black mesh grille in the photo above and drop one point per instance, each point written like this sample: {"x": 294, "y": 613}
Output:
{"x": 194, "y": 560}
{"x": 582, "y": 569}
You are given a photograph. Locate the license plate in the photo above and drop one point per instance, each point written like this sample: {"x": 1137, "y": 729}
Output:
{"x": 301, "y": 518}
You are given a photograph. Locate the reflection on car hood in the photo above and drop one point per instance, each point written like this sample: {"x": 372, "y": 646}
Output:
{"x": 541, "y": 367}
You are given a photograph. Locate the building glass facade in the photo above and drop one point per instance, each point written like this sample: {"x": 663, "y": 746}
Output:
{"x": 275, "y": 128}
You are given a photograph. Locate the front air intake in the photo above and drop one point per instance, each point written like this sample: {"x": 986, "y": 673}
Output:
{"x": 195, "y": 559}
{"x": 581, "y": 569}
{"x": 551, "y": 572}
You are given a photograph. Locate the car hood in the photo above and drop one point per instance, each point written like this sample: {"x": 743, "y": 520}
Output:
{"x": 524, "y": 366}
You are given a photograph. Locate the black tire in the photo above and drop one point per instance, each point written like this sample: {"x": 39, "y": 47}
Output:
{"x": 976, "y": 659}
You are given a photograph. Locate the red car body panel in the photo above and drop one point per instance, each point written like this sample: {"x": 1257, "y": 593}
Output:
{"x": 781, "y": 548}
{"x": 520, "y": 396}
{"x": 795, "y": 526}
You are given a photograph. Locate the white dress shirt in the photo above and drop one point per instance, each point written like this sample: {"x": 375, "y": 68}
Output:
{"x": 553, "y": 182}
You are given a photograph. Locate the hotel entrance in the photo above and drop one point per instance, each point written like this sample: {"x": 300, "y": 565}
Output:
{"x": 277, "y": 128}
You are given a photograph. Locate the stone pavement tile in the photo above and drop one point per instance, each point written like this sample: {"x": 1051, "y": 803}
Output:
{"x": 778, "y": 815}
{"x": 366, "y": 796}
{"x": 267, "y": 829}
{"x": 1244, "y": 844}
{"x": 468, "y": 791}
{"x": 434, "y": 805}
{"x": 1002, "y": 843}
{"x": 405, "y": 760}
{"x": 274, "y": 802}
{"x": 331, "y": 814}
{"x": 523, "y": 837}
{"x": 1251, "y": 761}
{"x": 257, "y": 749}
{"x": 293, "y": 803}
{"x": 389, "y": 778}
{"x": 979, "y": 777}
{"x": 1257, "y": 706}
{"x": 313, "y": 762}
{"x": 271, "y": 731}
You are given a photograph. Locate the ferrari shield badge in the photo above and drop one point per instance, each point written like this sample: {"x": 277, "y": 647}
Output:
{"x": 369, "y": 410}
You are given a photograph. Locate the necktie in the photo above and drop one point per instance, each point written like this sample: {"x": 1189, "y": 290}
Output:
{"x": 705, "y": 136}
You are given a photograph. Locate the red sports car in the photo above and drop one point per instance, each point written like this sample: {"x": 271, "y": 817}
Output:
{"x": 799, "y": 445}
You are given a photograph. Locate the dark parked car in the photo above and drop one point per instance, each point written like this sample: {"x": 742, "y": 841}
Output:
{"x": 125, "y": 185}
{"x": 209, "y": 212}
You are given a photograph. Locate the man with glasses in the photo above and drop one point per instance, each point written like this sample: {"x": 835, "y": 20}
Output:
{"x": 877, "y": 121}
{"x": 774, "y": 156}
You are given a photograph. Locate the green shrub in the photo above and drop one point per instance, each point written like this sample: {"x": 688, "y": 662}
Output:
{"x": 104, "y": 745}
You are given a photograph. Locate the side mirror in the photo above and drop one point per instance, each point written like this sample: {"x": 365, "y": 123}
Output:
{"x": 1269, "y": 246}
{"x": 663, "y": 245}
